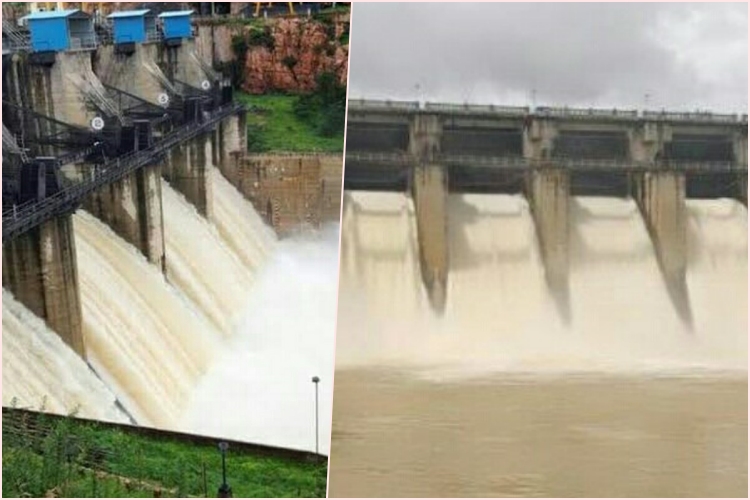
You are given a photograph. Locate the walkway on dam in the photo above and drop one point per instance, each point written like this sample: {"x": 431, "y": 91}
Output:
{"x": 29, "y": 215}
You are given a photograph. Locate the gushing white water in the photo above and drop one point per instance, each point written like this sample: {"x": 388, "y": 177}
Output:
{"x": 145, "y": 340}
{"x": 40, "y": 372}
{"x": 203, "y": 265}
{"x": 239, "y": 225}
{"x": 260, "y": 339}
{"x": 500, "y": 315}
{"x": 260, "y": 388}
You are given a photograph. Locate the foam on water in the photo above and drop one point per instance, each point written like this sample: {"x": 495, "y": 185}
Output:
{"x": 41, "y": 372}
{"x": 501, "y": 316}
{"x": 260, "y": 388}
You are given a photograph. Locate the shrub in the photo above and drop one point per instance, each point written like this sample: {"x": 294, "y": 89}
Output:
{"x": 325, "y": 108}
{"x": 261, "y": 37}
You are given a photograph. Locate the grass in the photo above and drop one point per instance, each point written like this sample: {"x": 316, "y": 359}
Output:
{"x": 76, "y": 458}
{"x": 273, "y": 126}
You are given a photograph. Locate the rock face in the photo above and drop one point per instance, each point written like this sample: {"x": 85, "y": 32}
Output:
{"x": 302, "y": 50}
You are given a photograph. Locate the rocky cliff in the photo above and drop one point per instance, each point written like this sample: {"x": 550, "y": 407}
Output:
{"x": 300, "y": 50}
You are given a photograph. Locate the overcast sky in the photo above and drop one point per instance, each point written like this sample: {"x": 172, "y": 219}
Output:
{"x": 684, "y": 56}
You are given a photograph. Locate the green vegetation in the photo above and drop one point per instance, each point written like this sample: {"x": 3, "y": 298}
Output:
{"x": 66, "y": 457}
{"x": 277, "y": 122}
{"x": 261, "y": 36}
{"x": 325, "y": 109}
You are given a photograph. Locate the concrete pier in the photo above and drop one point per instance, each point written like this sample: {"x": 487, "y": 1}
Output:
{"x": 549, "y": 198}
{"x": 661, "y": 199}
{"x": 68, "y": 90}
{"x": 187, "y": 170}
{"x": 182, "y": 63}
{"x": 132, "y": 207}
{"x": 61, "y": 86}
{"x": 739, "y": 143}
{"x": 40, "y": 269}
{"x": 430, "y": 191}
{"x": 230, "y": 146}
{"x": 548, "y": 194}
{"x": 136, "y": 73}
{"x": 660, "y": 196}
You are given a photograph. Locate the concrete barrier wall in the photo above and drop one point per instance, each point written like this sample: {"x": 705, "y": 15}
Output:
{"x": 290, "y": 190}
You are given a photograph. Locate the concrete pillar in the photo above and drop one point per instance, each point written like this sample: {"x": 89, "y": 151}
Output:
{"x": 136, "y": 73}
{"x": 132, "y": 208}
{"x": 429, "y": 191}
{"x": 661, "y": 199}
{"x": 232, "y": 145}
{"x": 182, "y": 63}
{"x": 40, "y": 268}
{"x": 549, "y": 198}
{"x": 740, "y": 156}
{"x": 539, "y": 136}
{"x": 548, "y": 193}
{"x": 647, "y": 141}
{"x": 187, "y": 170}
{"x": 739, "y": 142}
{"x": 69, "y": 91}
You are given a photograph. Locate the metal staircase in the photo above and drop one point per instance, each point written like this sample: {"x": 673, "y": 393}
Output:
{"x": 17, "y": 39}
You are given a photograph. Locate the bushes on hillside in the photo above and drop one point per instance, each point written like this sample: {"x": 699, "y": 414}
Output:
{"x": 324, "y": 109}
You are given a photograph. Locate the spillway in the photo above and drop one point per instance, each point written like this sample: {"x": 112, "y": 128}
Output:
{"x": 518, "y": 392}
{"x": 214, "y": 273}
{"x": 501, "y": 316}
{"x": 260, "y": 387}
{"x": 41, "y": 371}
{"x": 239, "y": 224}
{"x": 145, "y": 339}
{"x": 150, "y": 338}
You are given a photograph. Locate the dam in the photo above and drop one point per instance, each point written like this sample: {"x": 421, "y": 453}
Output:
{"x": 541, "y": 303}
{"x": 132, "y": 257}
{"x": 549, "y": 154}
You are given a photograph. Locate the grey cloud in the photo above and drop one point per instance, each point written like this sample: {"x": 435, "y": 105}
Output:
{"x": 685, "y": 56}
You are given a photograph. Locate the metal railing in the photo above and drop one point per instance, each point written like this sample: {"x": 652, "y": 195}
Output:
{"x": 83, "y": 42}
{"x": 476, "y": 109}
{"x": 368, "y": 105}
{"x": 611, "y": 114}
{"x": 26, "y": 216}
{"x": 15, "y": 38}
{"x": 587, "y": 113}
{"x": 291, "y": 154}
{"x": 572, "y": 164}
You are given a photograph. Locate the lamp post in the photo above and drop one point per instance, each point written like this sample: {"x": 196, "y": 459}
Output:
{"x": 316, "y": 380}
{"x": 225, "y": 491}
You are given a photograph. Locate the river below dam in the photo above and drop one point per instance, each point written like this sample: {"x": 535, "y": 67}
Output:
{"x": 224, "y": 345}
{"x": 510, "y": 392}
{"x": 400, "y": 436}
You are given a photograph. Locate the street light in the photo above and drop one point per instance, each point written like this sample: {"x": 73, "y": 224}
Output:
{"x": 316, "y": 380}
{"x": 225, "y": 491}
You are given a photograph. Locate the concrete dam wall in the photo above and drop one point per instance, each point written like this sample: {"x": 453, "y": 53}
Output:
{"x": 121, "y": 300}
{"x": 549, "y": 155}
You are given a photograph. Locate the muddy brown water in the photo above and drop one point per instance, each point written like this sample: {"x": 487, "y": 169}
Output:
{"x": 397, "y": 435}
